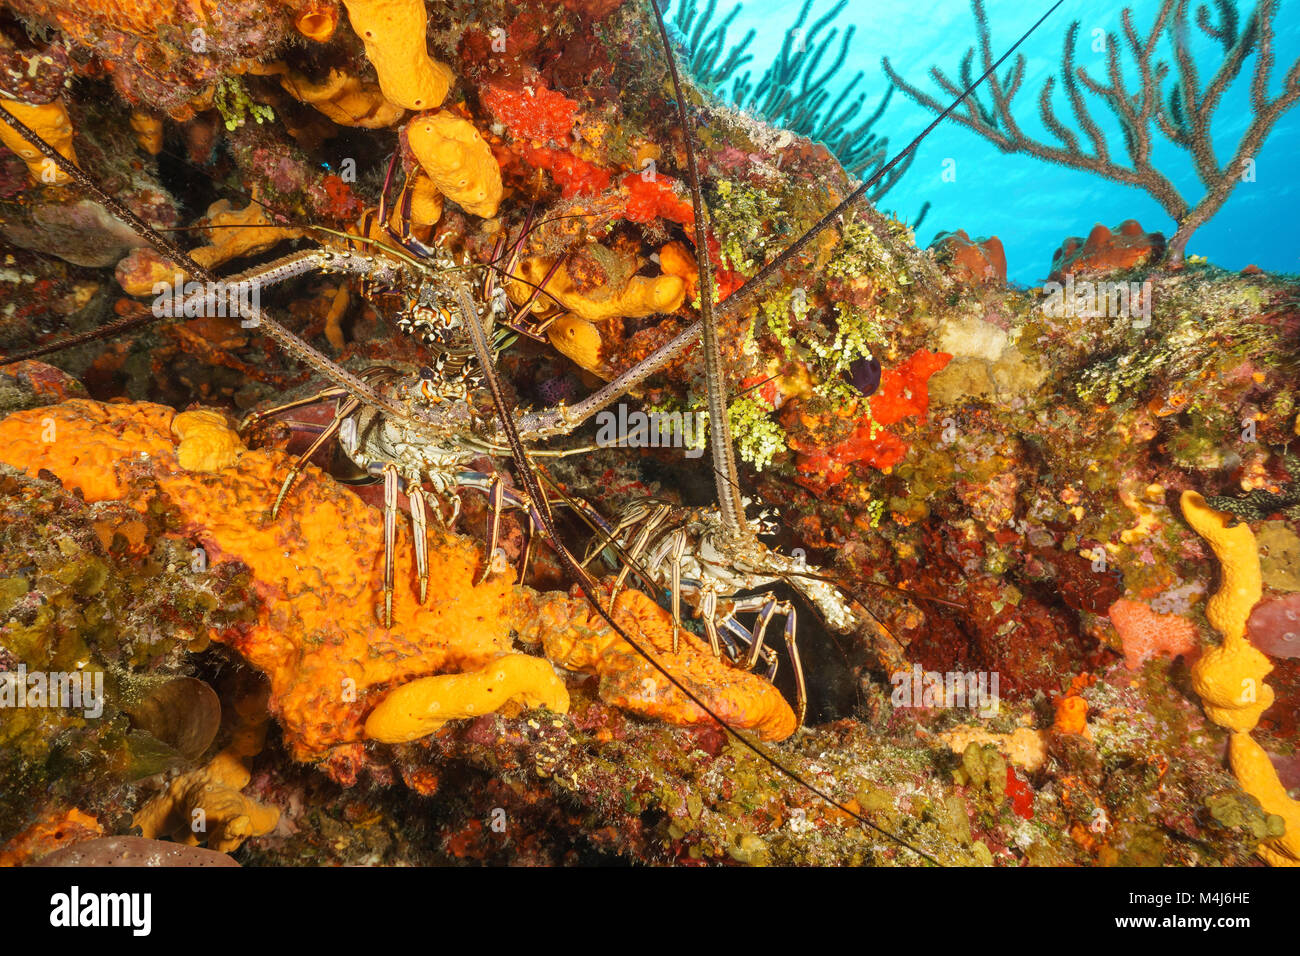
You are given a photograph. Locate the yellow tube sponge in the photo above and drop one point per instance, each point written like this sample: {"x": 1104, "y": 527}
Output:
{"x": 420, "y": 707}
{"x": 1238, "y": 560}
{"x": 581, "y": 341}
{"x": 393, "y": 32}
{"x": 1230, "y": 678}
{"x": 1255, "y": 772}
{"x": 50, "y": 122}
{"x": 207, "y": 442}
{"x": 458, "y": 161}
{"x": 1230, "y": 682}
{"x": 639, "y": 297}
{"x": 318, "y": 20}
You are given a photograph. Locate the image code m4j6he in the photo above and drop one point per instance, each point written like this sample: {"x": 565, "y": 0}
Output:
{"x": 649, "y": 432}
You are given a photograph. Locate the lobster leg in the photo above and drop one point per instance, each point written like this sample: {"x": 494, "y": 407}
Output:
{"x": 639, "y": 546}
{"x": 496, "y": 501}
{"x": 419, "y": 528}
{"x": 256, "y": 418}
{"x": 390, "y": 537}
{"x": 347, "y": 408}
{"x": 679, "y": 549}
{"x": 768, "y": 608}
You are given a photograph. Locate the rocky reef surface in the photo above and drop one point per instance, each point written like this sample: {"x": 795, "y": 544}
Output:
{"x": 999, "y": 474}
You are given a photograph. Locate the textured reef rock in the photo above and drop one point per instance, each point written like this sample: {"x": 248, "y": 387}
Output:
{"x": 1014, "y": 453}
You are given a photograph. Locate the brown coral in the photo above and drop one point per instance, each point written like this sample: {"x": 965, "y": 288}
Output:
{"x": 1127, "y": 246}
{"x": 971, "y": 261}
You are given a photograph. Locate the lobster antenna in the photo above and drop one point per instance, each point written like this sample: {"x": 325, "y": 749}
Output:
{"x": 584, "y": 582}
{"x": 291, "y": 344}
{"x": 750, "y": 287}
{"x": 731, "y": 507}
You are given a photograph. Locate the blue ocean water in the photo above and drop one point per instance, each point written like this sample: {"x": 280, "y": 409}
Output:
{"x": 1029, "y": 204}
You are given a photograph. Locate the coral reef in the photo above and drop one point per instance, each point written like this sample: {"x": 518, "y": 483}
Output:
{"x": 993, "y": 482}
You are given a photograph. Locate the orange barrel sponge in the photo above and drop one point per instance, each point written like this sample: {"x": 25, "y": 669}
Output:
{"x": 50, "y": 122}
{"x": 394, "y": 34}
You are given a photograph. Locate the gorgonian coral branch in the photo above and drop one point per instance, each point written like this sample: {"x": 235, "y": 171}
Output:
{"x": 1183, "y": 117}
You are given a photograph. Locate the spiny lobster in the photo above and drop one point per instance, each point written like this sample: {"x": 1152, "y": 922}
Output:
{"x": 426, "y": 422}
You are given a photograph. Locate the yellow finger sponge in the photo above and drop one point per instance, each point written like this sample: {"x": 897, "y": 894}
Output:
{"x": 458, "y": 161}
{"x": 1230, "y": 678}
{"x": 206, "y": 806}
{"x": 1255, "y": 772}
{"x": 50, "y": 122}
{"x": 1238, "y": 560}
{"x": 393, "y": 32}
{"x": 418, "y": 708}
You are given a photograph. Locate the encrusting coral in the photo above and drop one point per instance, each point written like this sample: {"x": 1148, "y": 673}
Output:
{"x": 1145, "y": 634}
{"x": 318, "y": 567}
{"x": 1230, "y": 678}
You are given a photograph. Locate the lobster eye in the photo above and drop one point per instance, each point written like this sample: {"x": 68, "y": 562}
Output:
{"x": 426, "y": 372}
